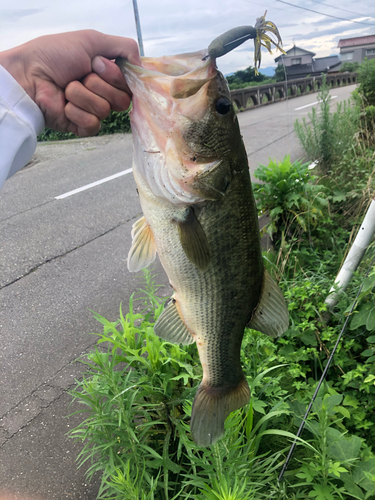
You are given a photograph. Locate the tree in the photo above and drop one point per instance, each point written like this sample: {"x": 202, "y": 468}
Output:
{"x": 241, "y": 77}
{"x": 279, "y": 73}
{"x": 350, "y": 66}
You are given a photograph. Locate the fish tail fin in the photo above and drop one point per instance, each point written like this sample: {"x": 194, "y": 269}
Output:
{"x": 211, "y": 407}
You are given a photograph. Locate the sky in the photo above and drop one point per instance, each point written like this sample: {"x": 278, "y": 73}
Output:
{"x": 176, "y": 26}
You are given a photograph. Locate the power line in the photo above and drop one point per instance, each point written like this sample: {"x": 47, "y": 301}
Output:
{"x": 321, "y": 13}
{"x": 340, "y": 8}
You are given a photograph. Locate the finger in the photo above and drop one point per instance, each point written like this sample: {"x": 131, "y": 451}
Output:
{"x": 118, "y": 99}
{"x": 51, "y": 100}
{"x": 87, "y": 123}
{"x": 110, "y": 72}
{"x": 83, "y": 98}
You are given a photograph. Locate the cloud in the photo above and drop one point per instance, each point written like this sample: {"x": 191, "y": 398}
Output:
{"x": 13, "y": 15}
{"x": 171, "y": 27}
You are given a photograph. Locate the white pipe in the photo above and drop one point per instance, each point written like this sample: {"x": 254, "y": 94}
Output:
{"x": 354, "y": 257}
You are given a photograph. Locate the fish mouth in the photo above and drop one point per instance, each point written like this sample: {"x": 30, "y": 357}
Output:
{"x": 174, "y": 66}
{"x": 169, "y": 94}
{"x": 176, "y": 77}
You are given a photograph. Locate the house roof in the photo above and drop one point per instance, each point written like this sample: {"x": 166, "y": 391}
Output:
{"x": 323, "y": 63}
{"x": 359, "y": 40}
{"x": 318, "y": 65}
{"x": 299, "y": 69}
{"x": 291, "y": 52}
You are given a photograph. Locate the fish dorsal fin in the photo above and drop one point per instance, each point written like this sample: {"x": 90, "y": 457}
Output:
{"x": 171, "y": 327}
{"x": 271, "y": 314}
{"x": 194, "y": 240}
{"x": 143, "y": 250}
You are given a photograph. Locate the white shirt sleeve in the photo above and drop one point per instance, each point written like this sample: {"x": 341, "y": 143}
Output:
{"x": 21, "y": 121}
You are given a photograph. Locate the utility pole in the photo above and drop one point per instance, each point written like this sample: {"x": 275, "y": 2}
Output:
{"x": 138, "y": 26}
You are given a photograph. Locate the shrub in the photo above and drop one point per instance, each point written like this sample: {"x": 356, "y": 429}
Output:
{"x": 330, "y": 133}
{"x": 290, "y": 196}
{"x": 351, "y": 184}
{"x": 334, "y": 470}
{"x": 350, "y": 66}
{"x": 366, "y": 78}
{"x": 368, "y": 124}
{"x": 117, "y": 121}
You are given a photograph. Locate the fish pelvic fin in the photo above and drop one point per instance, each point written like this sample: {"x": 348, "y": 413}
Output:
{"x": 143, "y": 250}
{"x": 194, "y": 240}
{"x": 211, "y": 407}
{"x": 171, "y": 327}
{"x": 271, "y": 315}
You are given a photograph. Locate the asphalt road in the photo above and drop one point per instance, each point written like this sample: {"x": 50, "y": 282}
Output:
{"x": 59, "y": 258}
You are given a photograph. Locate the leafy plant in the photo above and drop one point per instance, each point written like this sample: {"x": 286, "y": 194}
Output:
{"x": 134, "y": 391}
{"x": 366, "y": 78}
{"x": 334, "y": 462}
{"x": 138, "y": 395}
{"x": 330, "y": 133}
{"x": 349, "y": 66}
{"x": 351, "y": 184}
{"x": 290, "y": 196}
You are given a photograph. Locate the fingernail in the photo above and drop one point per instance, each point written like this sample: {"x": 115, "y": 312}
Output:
{"x": 98, "y": 65}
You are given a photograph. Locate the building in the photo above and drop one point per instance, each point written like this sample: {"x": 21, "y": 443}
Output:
{"x": 357, "y": 49}
{"x": 300, "y": 63}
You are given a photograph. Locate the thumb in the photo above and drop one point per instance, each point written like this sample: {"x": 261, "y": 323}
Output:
{"x": 109, "y": 72}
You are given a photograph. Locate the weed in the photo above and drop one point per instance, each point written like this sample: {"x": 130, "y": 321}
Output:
{"x": 138, "y": 395}
{"x": 366, "y": 78}
{"x": 290, "y": 196}
{"x": 330, "y": 133}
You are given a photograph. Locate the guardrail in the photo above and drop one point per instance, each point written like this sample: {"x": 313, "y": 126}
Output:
{"x": 278, "y": 91}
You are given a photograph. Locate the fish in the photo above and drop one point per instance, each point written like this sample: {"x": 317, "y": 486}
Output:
{"x": 199, "y": 215}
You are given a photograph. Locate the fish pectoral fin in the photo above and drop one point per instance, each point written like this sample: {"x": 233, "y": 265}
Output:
{"x": 143, "y": 250}
{"x": 211, "y": 407}
{"x": 171, "y": 327}
{"x": 271, "y": 315}
{"x": 194, "y": 240}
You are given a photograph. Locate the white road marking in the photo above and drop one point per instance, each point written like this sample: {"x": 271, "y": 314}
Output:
{"x": 312, "y": 104}
{"x": 93, "y": 184}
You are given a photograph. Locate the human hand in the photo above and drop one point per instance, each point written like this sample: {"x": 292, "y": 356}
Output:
{"x": 72, "y": 78}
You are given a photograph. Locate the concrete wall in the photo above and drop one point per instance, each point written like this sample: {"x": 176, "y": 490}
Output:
{"x": 269, "y": 93}
{"x": 359, "y": 52}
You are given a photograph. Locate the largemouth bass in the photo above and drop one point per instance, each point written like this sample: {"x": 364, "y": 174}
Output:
{"x": 192, "y": 174}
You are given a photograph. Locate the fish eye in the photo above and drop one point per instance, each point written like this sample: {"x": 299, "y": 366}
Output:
{"x": 223, "y": 105}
